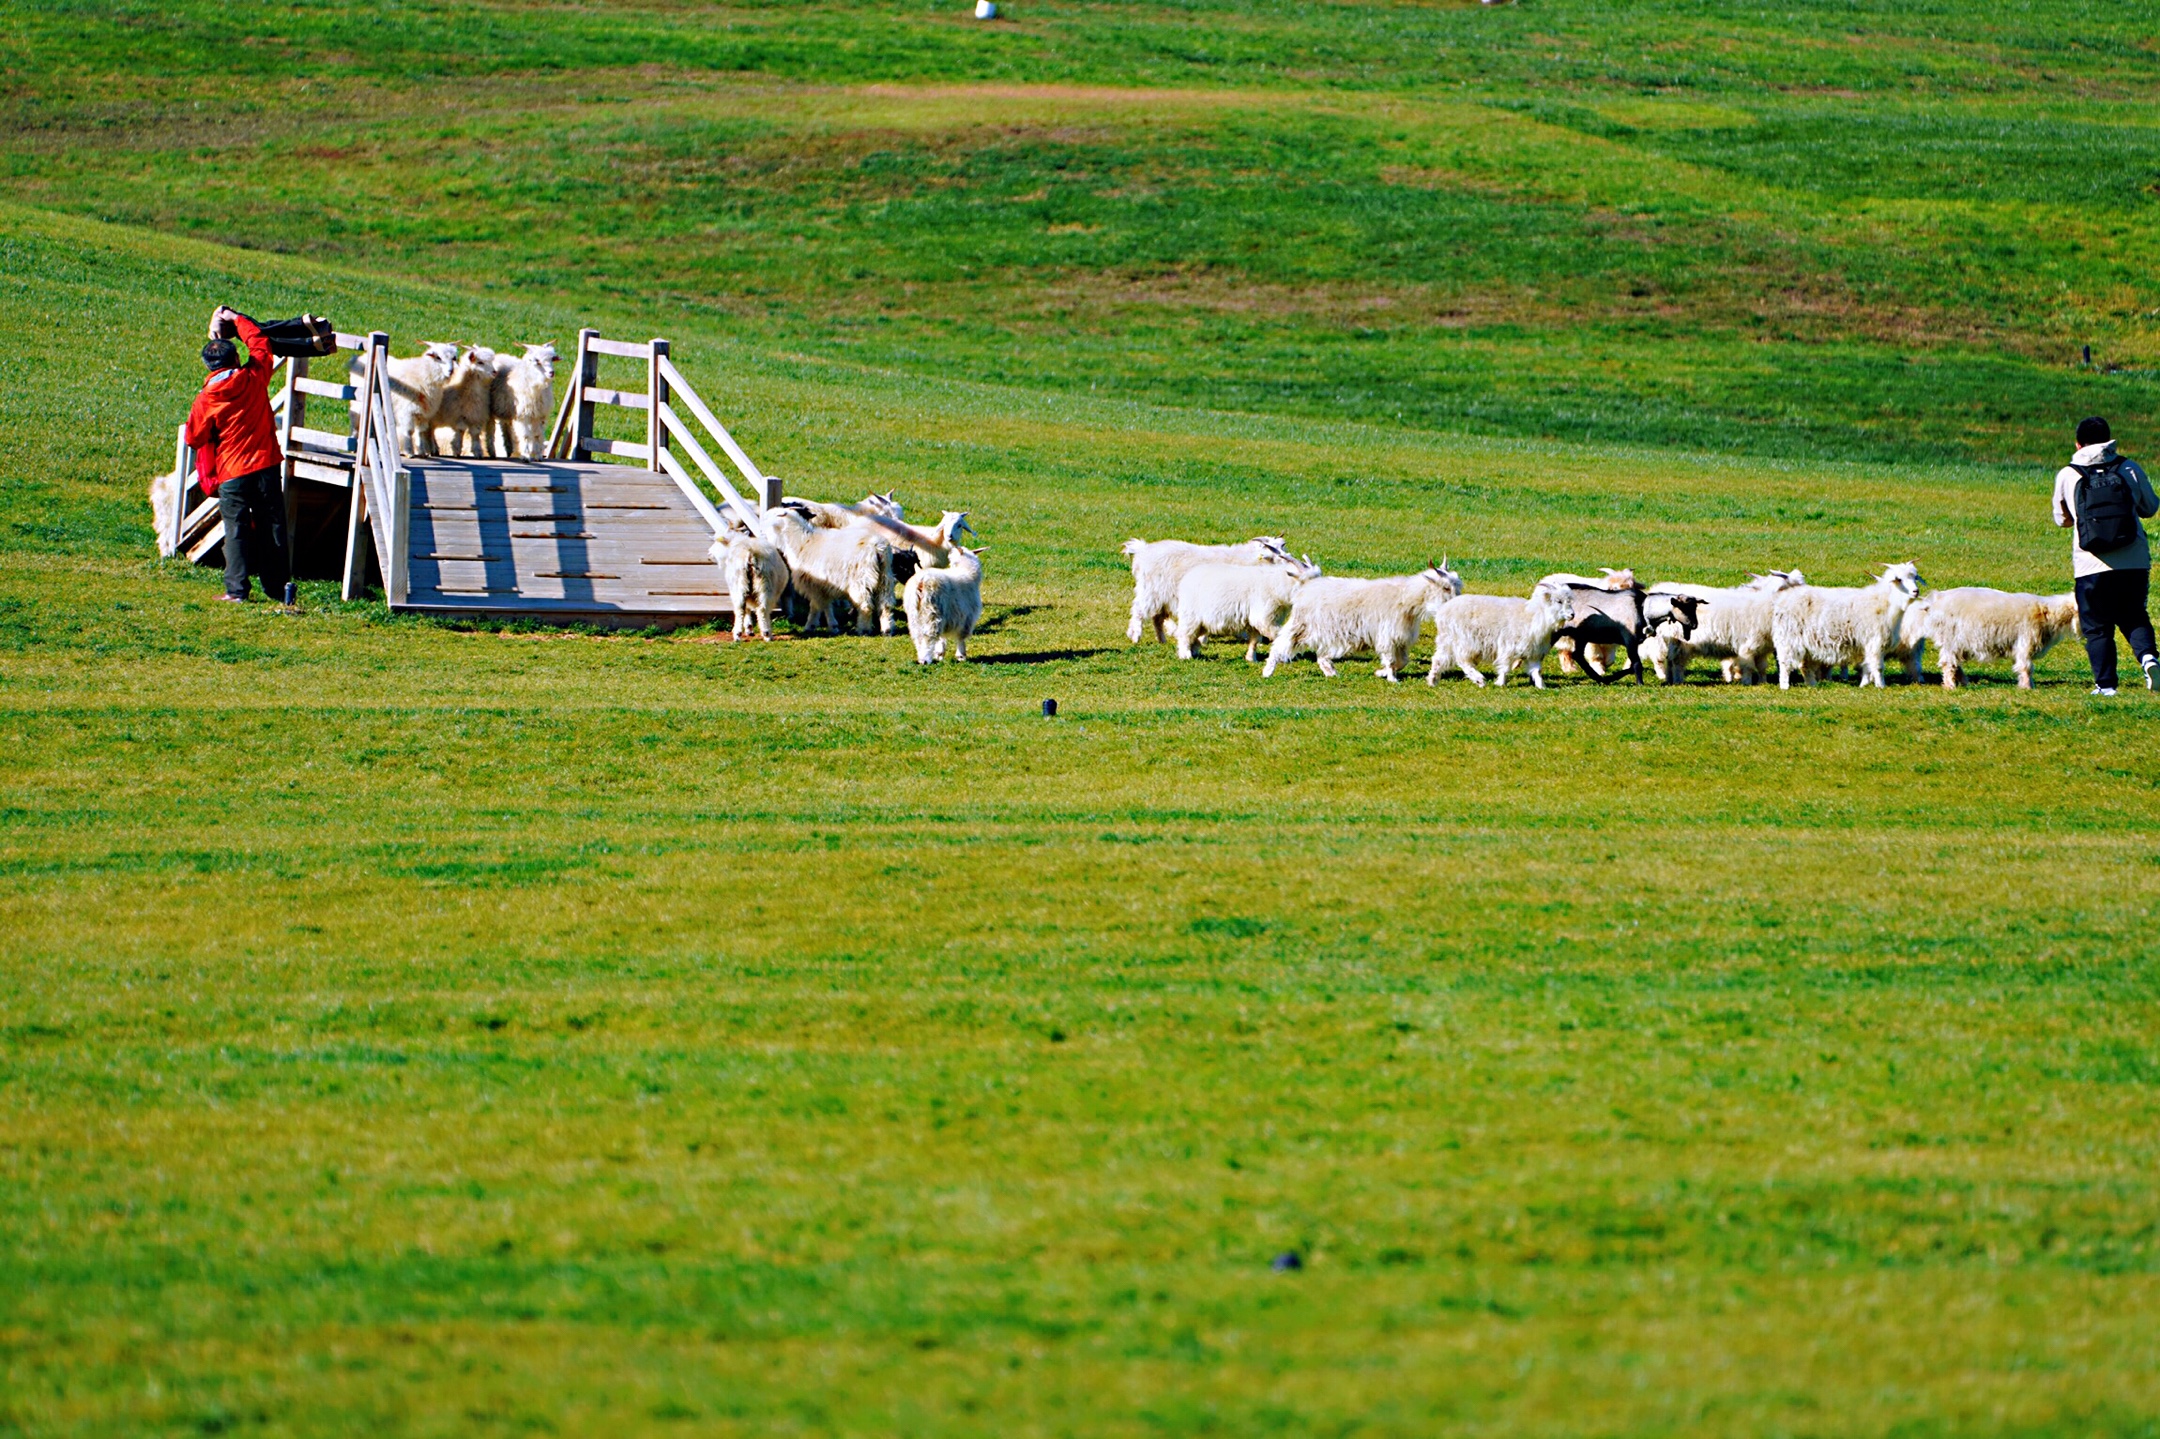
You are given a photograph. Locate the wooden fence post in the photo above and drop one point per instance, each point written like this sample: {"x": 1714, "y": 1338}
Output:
{"x": 357, "y": 535}
{"x": 394, "y": 566}
{"x": 656, "y": 389}
{"x": 296, "y": 368}
{"x": 588, "y": 376}
{"x": 184, "y": 468}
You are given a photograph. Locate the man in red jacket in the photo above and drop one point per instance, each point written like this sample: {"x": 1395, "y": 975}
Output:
{"x": 237, "y": 457}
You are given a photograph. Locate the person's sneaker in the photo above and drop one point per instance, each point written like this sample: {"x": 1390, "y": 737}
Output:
{"x": 234, "y": 599}
{"x": 2152, "y": 672}
{"x": 2105, "y": 693}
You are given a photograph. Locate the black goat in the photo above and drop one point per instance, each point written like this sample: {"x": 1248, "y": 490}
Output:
{"x": 1624, "y": 618}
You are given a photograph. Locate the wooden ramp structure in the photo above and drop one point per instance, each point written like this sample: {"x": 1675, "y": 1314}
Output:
{"x": 602, "y": 530}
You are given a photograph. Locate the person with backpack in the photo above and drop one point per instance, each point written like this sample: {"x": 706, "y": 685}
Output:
{"x": 237, "y": 458}
{"x": 2100, "y": 497}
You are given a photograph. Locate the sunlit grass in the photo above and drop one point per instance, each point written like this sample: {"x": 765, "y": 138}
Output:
{"x": 418, "y": 1028}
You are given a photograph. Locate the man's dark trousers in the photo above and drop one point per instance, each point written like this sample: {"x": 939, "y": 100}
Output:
{"x": 2112, "y": 600}
{"x": 253, "y": 508}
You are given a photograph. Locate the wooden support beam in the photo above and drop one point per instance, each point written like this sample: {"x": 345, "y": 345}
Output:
{"x": 656, "y": 353}
{"x": 295, "y": 409}
{"x": 588, "y": 377}
{"x": 184, "y": 470}
{"x": 621, "y": 349}
{"x": 395, "y": 568}
{"x": 353, "y": 582}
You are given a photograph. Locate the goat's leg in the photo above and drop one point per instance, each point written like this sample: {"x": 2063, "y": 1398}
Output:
{"x": 1326, "y": 662}
{"x": 1281, "y": 650}
{"x": 2022, "y": 660}
{"x": 960, "y": 639}
{"x": 1634, "y": 660}
{"x": 1469, "y": 668}
{"x": 1871, "y": 664}
{"x": 1597, "y": 676}
{"x": 1252, "y": 644}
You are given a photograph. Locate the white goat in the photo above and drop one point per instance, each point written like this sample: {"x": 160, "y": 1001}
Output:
{"x": 827, "y": 566}
{"x": 757, "y": 579}
{"x": 1972, "y": 625}
{"x": 416, "y": 388}
{"x": 1733, "y": 626}
{"x": 1334, "y": 617}
{"x": 466, "y": 411}
{"x": 1816, "y": 626}
{"x": 1499, "y": 630}
{"x": 1246, "y": 602}
{"x": 839, "y": 517}
{"x": 165, "y": 492}
{"x": 945, "y": 604}
{"x": 1159, "y": 566}
{"x": 522, "y": 401}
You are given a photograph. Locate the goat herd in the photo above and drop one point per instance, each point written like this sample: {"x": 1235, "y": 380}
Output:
{"x": 838, "y": 557}
{"x": 1259, "y": 590}
{"x": 477, "y": 401}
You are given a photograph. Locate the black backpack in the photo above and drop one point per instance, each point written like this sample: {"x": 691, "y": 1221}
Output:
{"x": 2106, "y": 508}
{"x": 308, "y": 335}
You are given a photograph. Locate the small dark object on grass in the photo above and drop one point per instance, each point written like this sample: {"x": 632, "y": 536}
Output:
{"x": 1287, "y": 1261}
{"x": 1049, "y": 709}
{"x": 292, "y": 594}
{"x": 2088, "y": 354}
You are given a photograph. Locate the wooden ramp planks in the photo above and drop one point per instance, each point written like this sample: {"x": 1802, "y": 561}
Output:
{"x": 558, "y": 538}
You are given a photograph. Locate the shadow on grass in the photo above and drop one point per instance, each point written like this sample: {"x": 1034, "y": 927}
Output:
{"x": 1036, "y": 657}
{"x": 1002, "y": 613}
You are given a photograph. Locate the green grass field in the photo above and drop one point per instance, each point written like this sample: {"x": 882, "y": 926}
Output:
{"x": 408, "y": 1028}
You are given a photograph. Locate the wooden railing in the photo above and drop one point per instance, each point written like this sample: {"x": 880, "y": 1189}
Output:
{"x": 666, "y": 431}
{"x": 382, "y": 500}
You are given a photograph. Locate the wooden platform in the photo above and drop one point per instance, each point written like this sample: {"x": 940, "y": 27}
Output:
{"x": 558, "y": 539}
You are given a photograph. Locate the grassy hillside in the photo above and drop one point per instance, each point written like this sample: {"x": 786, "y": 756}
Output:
{"x": 1878, "y": 231}
{"x": 416, "y": 1031}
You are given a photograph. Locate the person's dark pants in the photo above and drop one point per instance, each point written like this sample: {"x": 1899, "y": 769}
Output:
{"x": 253, "y": 508}
{"x": 2107, "y": 602}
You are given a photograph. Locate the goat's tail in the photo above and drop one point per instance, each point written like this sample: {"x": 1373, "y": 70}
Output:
{"x": 1132, "y": 547}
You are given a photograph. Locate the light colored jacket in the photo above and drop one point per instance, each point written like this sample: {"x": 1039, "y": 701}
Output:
{"x": 2135, "y": 556}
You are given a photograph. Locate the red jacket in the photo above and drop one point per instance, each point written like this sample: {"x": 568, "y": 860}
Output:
{"x": 231, "y": 426}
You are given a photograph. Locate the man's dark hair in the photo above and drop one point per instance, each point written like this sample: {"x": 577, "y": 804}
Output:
{"x": 2093, "y": 431}
{"x": 224, "y": 354}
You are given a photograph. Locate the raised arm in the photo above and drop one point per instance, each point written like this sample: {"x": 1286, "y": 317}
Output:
{"x": 251, "y": 337}
{"x": 2064, "y": 519}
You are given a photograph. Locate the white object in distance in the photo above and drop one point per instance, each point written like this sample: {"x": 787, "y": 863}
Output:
{"x": 986, "y": 9}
